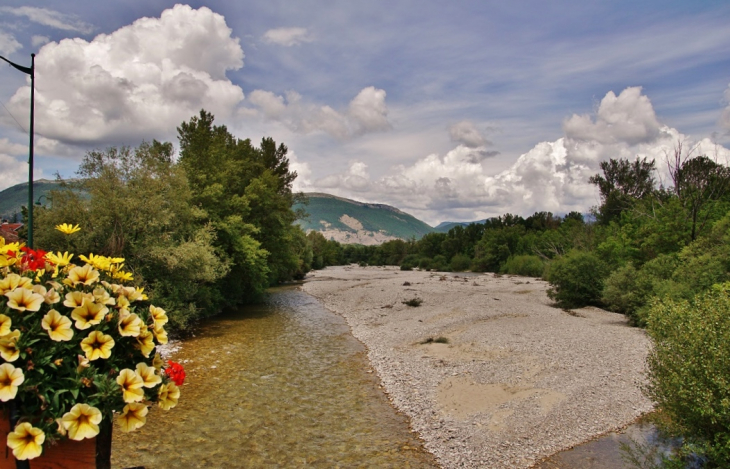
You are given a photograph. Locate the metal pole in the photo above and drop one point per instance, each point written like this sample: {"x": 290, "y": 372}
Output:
{"x": 30, "y": 152}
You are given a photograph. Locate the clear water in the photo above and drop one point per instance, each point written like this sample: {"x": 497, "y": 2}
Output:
{"x": 279, "y": 385}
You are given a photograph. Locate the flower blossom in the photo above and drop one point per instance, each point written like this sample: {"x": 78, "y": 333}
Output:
{"x": 67, "y": 228}
{"x": 13, "y": 281}
{"x": 23, "y": 299}
{"x": 130, "y": 325}
{"x": 10, "y": 379}
{"x": 97, "y": 345}
{"x": 148, "y": 374}
{"x": 131, "y": 384}
{"x": 85, "y": 275}
{"x": 5, "y": 324}
{"x": 82, "y": 421}
{"x": 9, "y": 346}
{"x": 88, "y": 314}
{"x": 168, "y": 396}
{"x": 133, "y": 416}
{"x": 58, "y": 326}
{"x": 26, "y": 441}
{"x": 176, "y": 372}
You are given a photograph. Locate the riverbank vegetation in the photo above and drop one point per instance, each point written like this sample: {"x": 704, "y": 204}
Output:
{"x": 657, "y": 252}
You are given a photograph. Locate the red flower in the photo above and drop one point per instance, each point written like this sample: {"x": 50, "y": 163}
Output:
{"x": 176, "y": 372}
{"x": 33, "y": 259}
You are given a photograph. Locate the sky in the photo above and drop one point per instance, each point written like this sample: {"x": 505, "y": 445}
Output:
{"x": 450, "y": 111}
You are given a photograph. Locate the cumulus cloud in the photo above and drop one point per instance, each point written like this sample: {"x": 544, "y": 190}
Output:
{"x": 466, "y": 133}
{"x": 304, "y": 173}
{"x": 8, "y": 43}
{"x": 51, "y": 18}
{"x": 117, "y": 88}
{"x": 287, "y": 36}
{"x": 628, "y": 117}
{"x": 552, "y": 176}
{"x": 725, "y": 117}
{"x": 367, "y": 112}
{"x": 12, "y": 171}
{"x": 355, "y": 179}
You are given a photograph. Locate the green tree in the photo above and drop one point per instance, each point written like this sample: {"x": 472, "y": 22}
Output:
{"x": 621, "y": 185}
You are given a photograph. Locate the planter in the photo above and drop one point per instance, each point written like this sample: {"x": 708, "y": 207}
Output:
{"x": 67, "y": 454}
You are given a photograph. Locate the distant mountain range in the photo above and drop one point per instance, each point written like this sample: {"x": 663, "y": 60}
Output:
{"x": 349, "y": 221}
{"x": 12, "y": 198}
{"x": 344, "y": 220}
{"x": 445, "y": 226}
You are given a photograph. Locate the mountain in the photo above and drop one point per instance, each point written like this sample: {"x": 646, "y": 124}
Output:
{"x": 445, "y": 226}
{"x": 349, "y": 221}
{"x": 12, "y": 198}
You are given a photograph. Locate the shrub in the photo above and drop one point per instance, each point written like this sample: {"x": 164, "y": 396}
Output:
{"x": 688, "y": 369}
{"x": 525, "y": 265}
{"x": 460, "y": 263}
{"x": 414, "y": 302}
{"x": 626, "y": 291}
{"x": 577, "y": 279}
{"x": 437, "y": 340}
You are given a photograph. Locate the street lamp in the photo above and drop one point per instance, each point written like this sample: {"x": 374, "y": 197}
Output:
{"x": 29, "y": 71}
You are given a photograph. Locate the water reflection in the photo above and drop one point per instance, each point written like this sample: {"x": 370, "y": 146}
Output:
{"x": 278, "y": 385}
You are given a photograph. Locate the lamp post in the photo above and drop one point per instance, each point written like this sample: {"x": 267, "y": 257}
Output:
{"x": 29, "y": 71}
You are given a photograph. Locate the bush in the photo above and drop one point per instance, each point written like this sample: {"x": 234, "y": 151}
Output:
{"x": 409, "y": 262}
{"x": 688, "y": 369}
{"x": 525, "y": 265}
{"x": 460, "y": 263}
{"x": 414, "y": 302}
{"x": 577, "y": 279}
{"x": 626, "y": 291}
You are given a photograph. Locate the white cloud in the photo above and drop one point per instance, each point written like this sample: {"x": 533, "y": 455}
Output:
{"x": 287, "y": 36}
{"x": 466, "y": 133}
{"x": 51, "y": 18}
{"x": 366, "y": 113}
{"x": 304, "y": 173}
{"x": 39, "y": 40}
{"x": 118, "y": 88}
{"x": 552, "y": 176}
{"x": 8, "y": 44}
{"x": 628, "y": 117}
{"x": 10, "y": 148}
{"x": 725, "y": 117}
{"x": 12, "y": 171}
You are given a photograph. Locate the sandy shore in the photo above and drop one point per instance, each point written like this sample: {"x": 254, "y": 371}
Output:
{"x": 518, "y": 379}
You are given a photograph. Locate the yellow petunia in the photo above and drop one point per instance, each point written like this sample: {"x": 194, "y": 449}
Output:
{"x": 102, "y": 297}
{"x": 159, "y": 316}
{"x": 131, "y": 384}
{"x": 133, "y": 416}
{"x": 130, "y": 325}
{"x": 10, "y": 379}
{"x": 85, "y": 275}
{"x": 13, "y": 281}
{"x": 97, "y": 345}
{"x": 75, "y": 299}
{"x": 5, "y": 324}
{"x": 149, "y": 375}
{"x": 157, "y": 362}
{"x": 88, "y": 314}
{"x": 160, "y": 335}
{"x": 23, "y": 299}
{"x": 83, "y": 363}
{"x": 26, "y": 441}
{"x": 82, "y": 421}
{"x": 145, "y": 342}
{"x": 52, "y": 297}
{"x": 67, "y": 228}
{"x": 9, "y": 346}
{"x": 168, "y": 396}
{"x": 58, "y": 326}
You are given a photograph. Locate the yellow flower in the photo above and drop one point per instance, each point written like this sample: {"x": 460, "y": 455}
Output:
{"x": 145, "y": 343}
{"x": 83, "y": 363}
{"x": 101, "y": 296}
{"x": 52, "y": 297}
{"x": 99, "y": 262}
{"x": 58, "y": 326}
{"x": 88, "y": 314}
{"x": 157, "y": 362}
{"x": 82, "y": 421}
{"x": 75, "y": 299}
{"x": 130, "y": 325}
{"x": 5, "y": 323}
{"x": 168, "y": 396}
{"x": 10, "y": 379}
{"x": 131, "y": 384}
{"x": 9, "y": 346}
{"x": 123, "y": 276}
{"x": 160, "y": 334}
{"x": 133, "y": 416}
{"x": 68, "y": 229}
{"x": 23, "y": 299}
{"x": 158, "y": 315}
{"x": 86, "y": 275}
{"x": 148, "y": 375}
{"x": 13, "y": 281}
{"x": 59, "y": 259}
{"x": 97, "y": 345}
{"x": 26, "y": 441}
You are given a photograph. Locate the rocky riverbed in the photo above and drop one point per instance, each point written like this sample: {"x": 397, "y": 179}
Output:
{"x": 489, "y": 372}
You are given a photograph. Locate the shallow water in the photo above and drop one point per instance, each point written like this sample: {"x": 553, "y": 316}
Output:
{"x": 279, "y": 385}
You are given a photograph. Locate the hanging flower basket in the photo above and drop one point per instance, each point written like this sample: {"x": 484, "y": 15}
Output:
{"x": 77, "y": 347}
